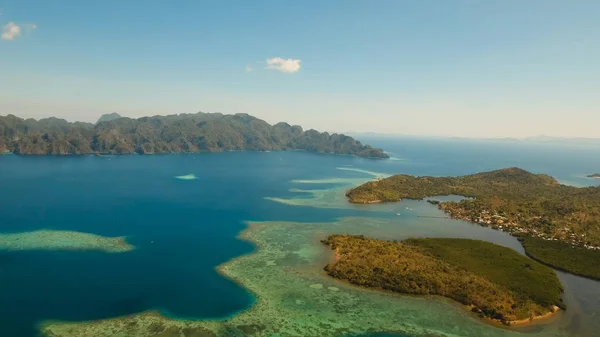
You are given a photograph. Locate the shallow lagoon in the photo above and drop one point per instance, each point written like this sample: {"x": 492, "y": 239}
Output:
{"x": 183, "y": 229}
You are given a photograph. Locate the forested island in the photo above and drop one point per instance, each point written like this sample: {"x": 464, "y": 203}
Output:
{"x": 201, "y": 132}
{"x": 494, "y": 281}
{"x": 594, "y": 175}
{"x": 564, "y": 219}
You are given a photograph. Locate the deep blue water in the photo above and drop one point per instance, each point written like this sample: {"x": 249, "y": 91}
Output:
{"x": 193, "y": 224}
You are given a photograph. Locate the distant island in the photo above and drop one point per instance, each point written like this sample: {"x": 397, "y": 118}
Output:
{"x": 595, "y": 175}
{"x": 201, "y": 132}
{"x": 493, "y": 281}
{"x": 555, "y": 222}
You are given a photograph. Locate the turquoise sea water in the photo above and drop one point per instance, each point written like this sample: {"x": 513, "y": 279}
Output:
{"x": 183, "y": 228}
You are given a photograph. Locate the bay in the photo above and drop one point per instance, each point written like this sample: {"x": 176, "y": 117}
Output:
{"x": 183, "y": 229}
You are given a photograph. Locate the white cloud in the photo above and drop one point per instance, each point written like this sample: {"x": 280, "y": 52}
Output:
{"x": 289, "y": 66}
{"x": 11, "y": 30}
{"x": 249, "y": 69}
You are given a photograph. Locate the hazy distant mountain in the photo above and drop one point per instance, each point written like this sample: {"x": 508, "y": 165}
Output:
{"x": 374, "y": 134}
{"x": 201, "y": 132}
{"x": 108, "y": 117}
{"x": 580, "y": 140}
{"x": 536, "y": 139}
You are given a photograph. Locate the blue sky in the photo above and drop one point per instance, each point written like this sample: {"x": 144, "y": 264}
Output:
{"x": 473, "y": 68}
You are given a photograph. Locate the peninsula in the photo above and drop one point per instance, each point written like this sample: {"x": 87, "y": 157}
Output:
{"x": 200, "y": 132}
{"x": 595, "y": 175}
{"x": 559, "y": 220}
{"x": 493, "y": 281}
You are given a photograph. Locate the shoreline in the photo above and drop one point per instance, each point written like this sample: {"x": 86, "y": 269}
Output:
{"x": 535, "y": 319}
{"x": 222, "y": 268}
{"x": 509, "y": 325}
{"x": 365, "y": 202}
{"x": 98, "y": 154}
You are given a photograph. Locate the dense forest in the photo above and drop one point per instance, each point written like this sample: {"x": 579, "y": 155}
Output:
{"x": 563, "y": 256}
{"x": 512, "y": 200}
{"x": 494, "y": 281}
{"x": 201, "y": 132}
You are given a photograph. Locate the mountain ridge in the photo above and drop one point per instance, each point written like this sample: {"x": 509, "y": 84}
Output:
{"x": 199, "y": 132}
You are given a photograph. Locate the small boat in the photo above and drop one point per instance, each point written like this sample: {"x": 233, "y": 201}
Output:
{"x": 398, "y": 214}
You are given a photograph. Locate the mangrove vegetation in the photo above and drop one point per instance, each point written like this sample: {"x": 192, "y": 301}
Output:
{"x": 494, "y": 281}
{"x": 563, "y": 256}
